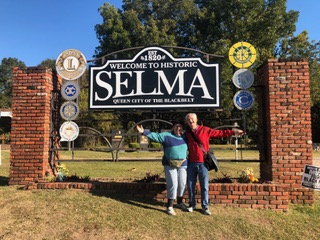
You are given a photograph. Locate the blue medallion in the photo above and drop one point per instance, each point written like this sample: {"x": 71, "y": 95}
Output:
{"x": 243, "y": 100}
{"x": 70, "y": 90}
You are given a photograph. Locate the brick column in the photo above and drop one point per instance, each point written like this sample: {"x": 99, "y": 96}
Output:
{"x": 31, "y": 119}
{"x": 283, "y": 94}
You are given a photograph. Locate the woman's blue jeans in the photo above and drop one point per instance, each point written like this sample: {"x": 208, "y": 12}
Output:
{"x": 195, "y": 170}
{"x": 176, "y": 179}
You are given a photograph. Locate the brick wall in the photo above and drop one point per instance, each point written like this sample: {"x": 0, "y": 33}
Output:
{"x": 256, "y": 196}
{"x": 30, "y": 129}
{"x": 283, "y": 94}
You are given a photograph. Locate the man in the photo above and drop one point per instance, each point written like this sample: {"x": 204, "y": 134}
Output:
{"x": 196, "y": 167}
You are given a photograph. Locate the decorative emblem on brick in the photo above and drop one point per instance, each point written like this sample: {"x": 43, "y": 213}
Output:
{"x": 70, "y": 90}
{"x": 243, "y": 100}
{"x": 69, "y": 110}
{"x": 71, "y": 64}
{"x": 69, "y": 131}
{"x": 243, "y": 78}
{"x": 242, "y": 54}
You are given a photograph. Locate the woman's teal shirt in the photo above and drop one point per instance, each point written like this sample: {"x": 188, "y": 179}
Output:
{"x": 174, "y": 147}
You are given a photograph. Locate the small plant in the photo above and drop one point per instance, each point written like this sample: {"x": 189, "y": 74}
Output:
{"x": 155, "y": 145}
{"x": 134, "y": 145}
{"x": 224, "y": 179}
{"x": 63, "y": 175}
{"x": 76, "y": 178}
{"x": 7, "y": 138}
{"x": 62, "y": 172}
{"x": 247, "y": 176}
{"x": 150, "y": 178}
{"x": 50, "y": 178}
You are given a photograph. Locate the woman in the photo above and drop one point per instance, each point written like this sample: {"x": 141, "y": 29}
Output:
{"x": 174, "y": 161}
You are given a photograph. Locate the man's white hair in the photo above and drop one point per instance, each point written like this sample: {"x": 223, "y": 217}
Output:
{"x": 193, "y": 114}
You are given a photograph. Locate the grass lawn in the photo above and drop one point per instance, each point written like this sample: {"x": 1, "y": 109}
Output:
{"x": 103, "y": 167}
{"x": 73, "y": 214}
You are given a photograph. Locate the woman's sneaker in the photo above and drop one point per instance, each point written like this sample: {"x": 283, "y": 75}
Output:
{"x": 170, "y": 211}
{"x": 183, "y": 207}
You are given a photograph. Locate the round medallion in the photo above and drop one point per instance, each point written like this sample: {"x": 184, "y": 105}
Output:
{"x": 243, "y": 78}
{"x": 71, "y": 64}
{"x": 69, "y": 131}
{"x": 242, "y": 55}
{"x": 69, "y": 110}
{"x": 243, "y": 100}
{"x": 70, "y": 90}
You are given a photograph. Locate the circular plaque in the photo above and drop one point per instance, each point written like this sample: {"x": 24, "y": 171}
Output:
{"x": 242, "y": 54}
{"x": 69, "y": 110}
{"x": 70, "y": 90}
{"x": 71, "y": 64}
{"x": 243, "y": 78}
{"x": 69, "y": 131}
{"x": 243, "y": 100}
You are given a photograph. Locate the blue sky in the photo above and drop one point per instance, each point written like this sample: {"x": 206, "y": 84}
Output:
{"x": 34, "y": 30}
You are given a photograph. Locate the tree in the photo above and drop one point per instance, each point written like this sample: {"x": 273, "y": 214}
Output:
{"x": 48, "y": 63}
{"x": 141, "y": 23}
{"x": 210, "y": 26}
{"x": 6, "y": 67}
{"x": 300, "y": 47}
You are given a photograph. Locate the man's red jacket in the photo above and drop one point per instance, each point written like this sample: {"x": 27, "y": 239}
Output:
{"x": 204, "y": 134}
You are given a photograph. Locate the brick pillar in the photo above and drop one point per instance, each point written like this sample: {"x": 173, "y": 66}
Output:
{"x": 30, "y": 129}
{"x": 283, "y": 94}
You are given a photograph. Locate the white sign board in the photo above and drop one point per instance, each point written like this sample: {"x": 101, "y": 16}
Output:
{"x": 311, "y": 177}
{"x": 154, "y": 79}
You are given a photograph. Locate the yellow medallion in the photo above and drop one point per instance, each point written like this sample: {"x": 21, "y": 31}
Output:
{"x": 242, "y": 55}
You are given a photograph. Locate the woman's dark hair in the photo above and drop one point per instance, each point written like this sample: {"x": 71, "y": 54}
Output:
{"x": 178, "y": 122}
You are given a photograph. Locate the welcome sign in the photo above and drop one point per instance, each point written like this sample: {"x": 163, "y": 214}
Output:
{"x": 154, "y": 79}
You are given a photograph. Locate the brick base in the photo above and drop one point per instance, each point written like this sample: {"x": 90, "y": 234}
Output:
{"x": 255, "y": 196}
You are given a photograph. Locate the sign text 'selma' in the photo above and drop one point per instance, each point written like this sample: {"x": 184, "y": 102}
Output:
{"x": 154, "y": 79}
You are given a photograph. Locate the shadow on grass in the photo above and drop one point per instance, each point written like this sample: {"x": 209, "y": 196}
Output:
{"x": 145, "y": 203}
{"x": 4, "y": 181}
{"x": 125, "y": 193}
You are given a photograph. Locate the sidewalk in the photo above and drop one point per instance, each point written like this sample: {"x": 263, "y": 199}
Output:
{"x": 316, "y": 161}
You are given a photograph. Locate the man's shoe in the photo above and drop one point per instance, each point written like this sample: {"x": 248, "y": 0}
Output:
{"x": 170, "y": 211}
{"x": 190, "y": 209}
{"x": 206, "y": 211}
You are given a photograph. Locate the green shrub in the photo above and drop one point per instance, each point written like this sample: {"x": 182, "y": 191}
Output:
{"x": 155, "y": 145}
{"x": 134, "y": 145}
